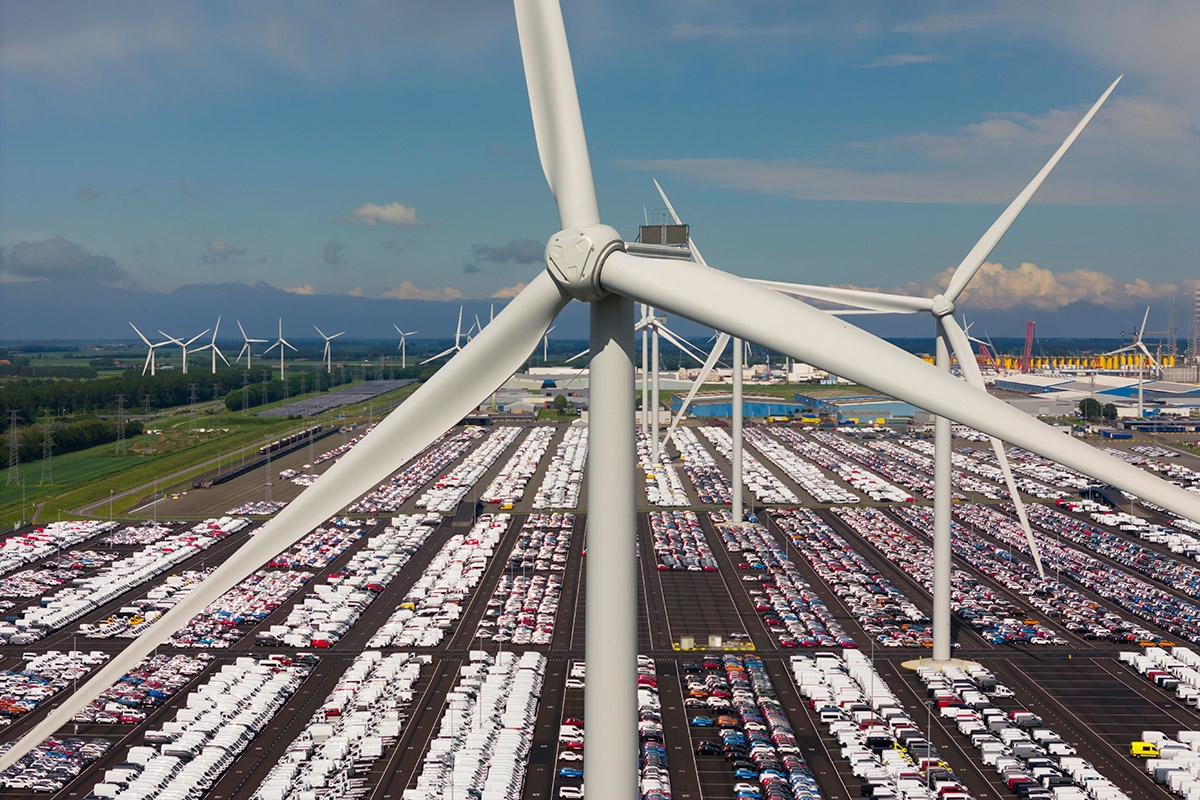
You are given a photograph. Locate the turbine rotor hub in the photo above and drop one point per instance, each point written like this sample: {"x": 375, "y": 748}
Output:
{"x": 575, "y": 256}
{"x": 942, "y": 306}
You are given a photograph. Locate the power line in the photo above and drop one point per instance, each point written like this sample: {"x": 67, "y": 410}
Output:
{"x": 47, "y": 452}
{"x": 120, "y": 424}
{"x": 14, "y": 449}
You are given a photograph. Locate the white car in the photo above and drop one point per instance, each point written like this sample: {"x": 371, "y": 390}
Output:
{"x": 570, "y": 755}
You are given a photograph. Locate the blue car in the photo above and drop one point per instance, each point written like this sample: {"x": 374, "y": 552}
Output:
{"x": 570, "y": 772}
{"x": 702, "y": 722}
{"x": 743, "y": 773}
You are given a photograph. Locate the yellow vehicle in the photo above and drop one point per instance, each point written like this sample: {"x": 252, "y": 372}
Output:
{"x": 1143, "y": 749}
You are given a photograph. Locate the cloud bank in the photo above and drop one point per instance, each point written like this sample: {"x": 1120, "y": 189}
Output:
{"x": 397, "y": 215}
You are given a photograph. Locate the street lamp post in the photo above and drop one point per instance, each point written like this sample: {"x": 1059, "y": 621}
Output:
{"x": 110, "y": 501}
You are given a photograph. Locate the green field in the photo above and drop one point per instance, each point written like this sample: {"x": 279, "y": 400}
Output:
{"x": 87, "y": 476}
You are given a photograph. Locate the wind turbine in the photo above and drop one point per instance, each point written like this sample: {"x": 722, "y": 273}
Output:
{"x": 149, "y": 365}
{"x": 587, "y": 260}
{"x": 952, "y": 338}
{"x": 280, "y": 343}
{"x": 325, "y": 357}
{"x": 185, "y": 345}
{"x": 246, "y": 342}
{"x": 1139, "y": 348}
{"x": 403, "y": 346}
{"x": 216, "y": 351}
{"x": 457, "y": 338}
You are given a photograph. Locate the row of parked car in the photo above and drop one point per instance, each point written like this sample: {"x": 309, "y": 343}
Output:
{"x": 221, "y": 718}
{"x": 509, "y": 485}
{"x": 564, "y": 475}
{"x": 318, "y": 548}
{"x": 25, "y": 548}
{"x": 401, "y": 486}
{"x": 435, "y": 601}
{"x": 679, "y": 542}
{"x": 711, "y": 484}
{"x": 761, "y": 482}
{"x": 334, "y": 606}
{"x": 522, "y": 609}
{"x": 53, "y": 764}
{"x": 882, "y": 610}
{"x": 41, "y": 677}
{"x": 131, "y": 619}
{"x": 901, "y": 479}
{"x": 808, "y": 476}
{"x": 790, "y": 609}
{"x": 140, "y": 533}
{"x": 542, "y": 544}
{"x": 990, "y": 480}
{"x": 753, "y": 732}
{"x": 483, "y": 741}
{"x": 972, "y": 598}
{"x": 663, "y": 484}
{"x": 449, "y": 490}
{"x": 86, "y": 595}
{"x": 257, "y": 508}
{"x": 147, "y": 686}
{"x": 223, "y": 623}
{"x": 886, "y": 749}
{"x": 1179, "y": 618}
{"x": 1180, "y": 576}
{"x": 359, "y": 722}
{"x": 824, "y": 449}
{"x": 1033, "y": 761}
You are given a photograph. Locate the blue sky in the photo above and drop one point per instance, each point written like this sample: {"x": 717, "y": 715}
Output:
{"x": 386, "y": 149}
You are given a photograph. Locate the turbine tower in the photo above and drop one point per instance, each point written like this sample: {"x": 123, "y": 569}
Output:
{"x": 1140, "y": 348}
{"x": 216, "y": 351}
{"x": 587, "y": 261}
{"x": 280, "y": 343}
{"x": 325, "y": 356}
{"x": 403, "y": 346}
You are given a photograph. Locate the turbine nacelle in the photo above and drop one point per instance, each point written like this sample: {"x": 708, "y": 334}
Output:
{"x": 941, "y": 306}
{"x": 574, "y": 257}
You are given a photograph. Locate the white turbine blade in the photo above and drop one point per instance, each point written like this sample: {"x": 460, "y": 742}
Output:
{"x": 216, "y": 328}
{"x": 397, "y": 327}
{"x": 578, "y": 355}
{"x": 666, "y": 333}
{"x": 243, "y": 330}
{"x": 194, "y": 338}
{"x": 554, "y": 104}
{"x": 217, "y": 350}
{"x": 245, "y": 347}
{"x": 272, "y": 347}
{"x": 1142, "y": 330}
{"x": 1146, "y": 352}
{"x": 970, "y": 371}
{"x": 709, "y": 363}
{"x": 140, "y": 334}
{"x": 439, "y": 355}
{"x": 974, "y": 260}
{"x": 170, "y": 339}
{"x": 319, "y": 333}
{"x": 875, "y": 301}
{"x": 1124, "y": 349}
{"x": 289, "y": 344}
{"x": 795, "y": 329}
{"x": 337, "y": 334}
{"x": 437, "y": 406}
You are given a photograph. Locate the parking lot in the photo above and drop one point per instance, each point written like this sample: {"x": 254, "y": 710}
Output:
{"x": 718, "y": 601}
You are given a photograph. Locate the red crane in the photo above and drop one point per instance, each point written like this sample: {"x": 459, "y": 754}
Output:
{"x": 1027, "y": 355}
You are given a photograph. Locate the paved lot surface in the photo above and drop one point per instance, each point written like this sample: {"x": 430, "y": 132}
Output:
{"x": 1081, "y": 690}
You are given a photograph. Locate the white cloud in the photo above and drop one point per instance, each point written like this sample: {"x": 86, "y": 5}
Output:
{"x": 996, "y": 288}
{"x": 903, "y": 60}
{"x": 220, "y": 251}
{"x": 305, "y": 289}
{"x": 407, "y": 290}
{"x": 1137, "y": 151}
{"x": 395, "y": 214}
{"x": 509, "y": 291}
